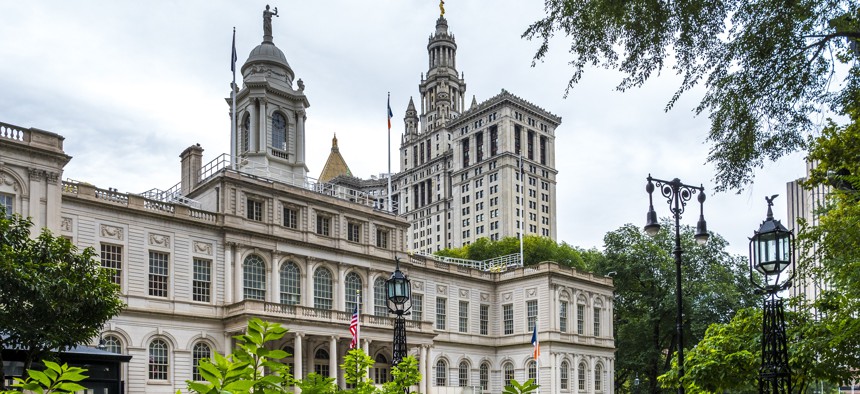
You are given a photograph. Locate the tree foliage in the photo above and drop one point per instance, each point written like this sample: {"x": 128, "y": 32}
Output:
{"x": 536, "y": 249}
{"x": 767, "y": 66}
{"x": 403, "y": 376}
{"x": 55, "y": 379}
{"x": 714, "y": 286}
{"x": 52, "y": 297}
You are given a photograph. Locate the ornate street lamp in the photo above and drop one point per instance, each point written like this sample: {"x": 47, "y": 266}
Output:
{"x": 771, "y": 253}
{"x": 399, "y": 294}
{"x": 677, "y": 194}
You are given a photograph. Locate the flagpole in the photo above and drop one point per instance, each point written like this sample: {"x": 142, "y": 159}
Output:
{"x": 390, "y": 208}
{"x": 233, "y": 124}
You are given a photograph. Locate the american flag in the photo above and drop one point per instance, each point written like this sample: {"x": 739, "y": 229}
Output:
{"x": 353, "y": 328}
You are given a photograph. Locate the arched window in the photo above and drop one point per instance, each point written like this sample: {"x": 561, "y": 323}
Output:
{"x": 508, "y": 373}
{"x": 381, "y": 370}
{"x": 321, "y": 362}
{"x": 201, "y": 351}
{"x": 279, "y": 131}
{"x": 290, "y": 360}
{"x": 291, "y": 290}
{"x": 159, "y": 361}
{"x": 112, "y": 344}
{"x": 598, "y": 377}
{"x": 580, "y": 375}
{"x": 254, "y": 275}
{"x": 380, "y": 302}
{"x": 463, "y": 374}
{"x": 485, "y": 376}
{"x": 532, "y": 368}
{"x": 322, "y": 289}
{"x": 244, "y": 140}
{"x": 564, "y": 375}
{"x": 441, "y": 373}
{"x": 352, "y": 284}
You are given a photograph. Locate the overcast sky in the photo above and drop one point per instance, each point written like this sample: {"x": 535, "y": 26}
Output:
{"x": 130, "y": 84}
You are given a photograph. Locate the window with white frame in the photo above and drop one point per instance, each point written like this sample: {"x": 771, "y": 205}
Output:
{"x": 112, "y": 344}
{"x": 353, "y": 231}
{"x": 596, "y": 321}
{"x": 291, "y": 217}
{"x": 254, "y": 278}
{"x": 484, "y": 315}
{"x": 254, "y": 209}
{"x": 464, "y": 316}
{"x": 531, "y": 314}
{"x": 382, "y": 238}
{"x": 380, "y": 304}
{"x": 291, "y": 289}
{"x": 158, "y": 273}
{"x": 441, "y": 312}
{"x": 111, "y": 256}
{"x": 463, "y": 374}
{"x": 279, "y": 131}
{"x": 580, "y": 374}
{"x": 562, "y": 316}
{"x": 598, "y": 377}
{"x": 507, "y": 373}
{"x": 323, "y": 224}
{"x": 352, "y": 284}
{"x": 418, "y": 307}
{"x": 484, "y": 376}
{"x": 322, "y": 289}
{"x": 564, "y": 375}
{"x": 580, "y": 319}
{"x": 508, "y": 318}
{"x": 441, "y": 373}
{"x": 6, "y": 203}
{"x": 321, "y": 366}
{"x": 159, "y": 360}
{"x": 201, "y": 286}
{"x": 532, "y": 368}
{"x": 201, "y": 351}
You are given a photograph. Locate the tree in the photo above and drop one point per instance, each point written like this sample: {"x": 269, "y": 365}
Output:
{"x": 536, "y": 249}
{"x": 55, "y": 379}
{"x": 527, "y": 387}
{"x": 355, "y": 366}
{"x": 767, "y": 66}
{"x": 52, "y": 297}
{"x": 714, "y": 286}
{"x": 404, "y": 375}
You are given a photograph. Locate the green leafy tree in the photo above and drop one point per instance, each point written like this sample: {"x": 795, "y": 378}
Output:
{"x": 404, "y": 375}
{"x": 529, "y": 386}
{"x": 243, "y": 370}
{"x": 52, "y": 297}
{"x": 715, "y": 285}
{"x": 55, "y": 379}
{"x": 315, "y": 383}
{"x": 355, "y": 366}
{"x": 767, "y": 67}
{"x": 536, "y": 249}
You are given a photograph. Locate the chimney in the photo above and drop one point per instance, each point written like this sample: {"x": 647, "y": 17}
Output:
{"x": 191, "y": 159}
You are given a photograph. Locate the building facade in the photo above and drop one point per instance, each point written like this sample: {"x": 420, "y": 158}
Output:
{"x": 250, "y": 235}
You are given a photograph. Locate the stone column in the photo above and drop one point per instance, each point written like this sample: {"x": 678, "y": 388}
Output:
{"x": 422, "y": 365}
{"x": 339, "y": 303}
{"x": 332, "y": 358}
{"x": 301, "y": 117}
{"x": 427, "y": 372}
{"x": 54, "y": 197}
{"x": 264, "y": 129}
{"x": 365, "y": 346}
{"x": 255, "y": 126}
{"x": 309, "y": 284}
{"x": 239, "y": 294}
{"x": 272, "y": 295}
{"x": 298, "y": 358}
{"x": 228, "y": 273}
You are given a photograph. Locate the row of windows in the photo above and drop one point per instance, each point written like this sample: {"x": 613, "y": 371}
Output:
{"x": 463, "y": 374}
{"x": 159, "y": 272}
{"x": 254, "y": 211}
{"x": 279, "y": 132}
{"x": 159, "y": 356}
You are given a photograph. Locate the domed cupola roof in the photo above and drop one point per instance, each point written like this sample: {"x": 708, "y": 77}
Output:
{"x": 266, "y": 57}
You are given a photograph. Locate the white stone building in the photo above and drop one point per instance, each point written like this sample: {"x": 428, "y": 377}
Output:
{"x": 261, "y": 239}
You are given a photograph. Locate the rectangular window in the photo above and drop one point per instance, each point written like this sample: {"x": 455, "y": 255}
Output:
{"x": 255, "y": 210}
{"x": 517, "y": 132}
{"x": 441, "y": 312}
{"x": 158, "y": 273}
{"x": 479, "y": 146}
{"x": 202, "y": 285}
{"x": 494, "y": 140}
{"x": 542, "y": 150}
{"x": 353, "y": 232}
{"x": 508, "y": 318}
{"x": 531, "y": 145}
{"x": 580, "y": 319}
{"x": 418, "y": 307}
{"x": 323, "y": 225}
{"x": 6, "y": 204}
{"x": 597, "y": 322}
{"x": 112, "y": 259}
{"x": 382, "y": 238}
{"x": 464, "y": 316}
{"x": 485, "y": 319}
{"x": 562, "y": 316}
{"x": 531, "y": 314}
{"x": 465, "y": 145}
{"x": 291, "y": 218}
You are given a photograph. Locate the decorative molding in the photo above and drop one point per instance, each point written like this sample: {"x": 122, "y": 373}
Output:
{"x": 159, "y": 240}
{"x": 36, "y": 174}
{"x": 417, "y": 285}
{"x": 203, "y": 248}
{"x": 507, "y": 296}
{"x": 113, "y": 232}
{"x": 441, "y": 289}
{"x": 464, "y": 293}
{"x": 66, "y": 224}
{"x": 531, "y": 292}
{"x": 485, "y": 297}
